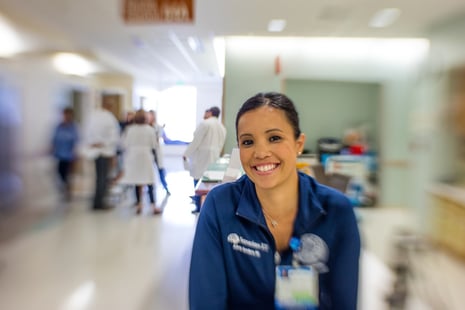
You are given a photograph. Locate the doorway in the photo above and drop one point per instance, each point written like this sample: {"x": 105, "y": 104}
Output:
{"x": 115, "y": 101}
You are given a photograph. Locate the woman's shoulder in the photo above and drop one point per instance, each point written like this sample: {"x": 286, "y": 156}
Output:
{"x": 224, "y": 198}
{"x": 229, "y": 189}
{"x": 326, "y": 195}
{"x": 149, "y": 128}
{"x": 140, "y": 127}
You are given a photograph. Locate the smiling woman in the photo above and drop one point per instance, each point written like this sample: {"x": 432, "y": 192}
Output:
{"x": 308, "y": 231}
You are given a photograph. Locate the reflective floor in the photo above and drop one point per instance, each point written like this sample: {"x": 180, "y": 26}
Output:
{"x": 75, "y": 258}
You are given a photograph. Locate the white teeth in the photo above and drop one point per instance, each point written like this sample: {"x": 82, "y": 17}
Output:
{"x": 265, "y": 168}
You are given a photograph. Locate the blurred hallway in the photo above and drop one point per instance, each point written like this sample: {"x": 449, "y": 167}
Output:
{"x": 74, "y": 258}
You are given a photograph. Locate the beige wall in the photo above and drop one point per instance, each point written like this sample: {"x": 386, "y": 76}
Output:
{"x": 117, "y": 84}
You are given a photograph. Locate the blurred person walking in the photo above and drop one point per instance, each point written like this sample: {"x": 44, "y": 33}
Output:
{"x": 102, "y": 136}
{"x": 158, "y": 151}
{"x": 64, "y": 148}
{"x": 123, "y": 124}
{"x": 205, "y": 148}
{"x": 138, "y": 142}
{"x": 128, "y": 120}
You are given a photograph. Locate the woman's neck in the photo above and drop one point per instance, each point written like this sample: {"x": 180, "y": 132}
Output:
{"x": 281, "y": 201}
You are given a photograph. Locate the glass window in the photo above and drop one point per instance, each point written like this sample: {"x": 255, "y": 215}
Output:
{"x": 176, "y": 111}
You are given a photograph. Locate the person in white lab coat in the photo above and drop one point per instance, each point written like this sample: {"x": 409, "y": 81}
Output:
{"x": 206, "y": 147}
{"x": 138, "y": 142}
{"x": 102, "y": 138}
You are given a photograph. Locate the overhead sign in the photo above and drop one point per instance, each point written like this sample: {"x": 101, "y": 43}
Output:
{"x": 158, "y": 11}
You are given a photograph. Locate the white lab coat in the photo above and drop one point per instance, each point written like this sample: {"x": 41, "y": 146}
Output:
{"x": 205, "y": 148}
{"x": 159, "y": 149}
{"x": 137, "y": 142}
{"x": 102, "y": 128}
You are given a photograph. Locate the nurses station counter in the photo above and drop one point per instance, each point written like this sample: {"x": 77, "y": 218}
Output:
{"x": 448, "y": 217}
{"x": 212, "y": 177}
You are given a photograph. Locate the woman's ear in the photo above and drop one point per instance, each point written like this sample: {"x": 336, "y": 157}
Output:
{"x": 300, "y": 143}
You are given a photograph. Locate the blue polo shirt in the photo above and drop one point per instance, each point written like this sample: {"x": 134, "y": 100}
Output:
{"x": 64, "y": 141}
{"x": 233, "y": 257}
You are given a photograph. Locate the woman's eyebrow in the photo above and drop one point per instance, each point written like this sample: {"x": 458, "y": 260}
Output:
{"x": 273, "y": 129}
{"x": 245, "y": 135}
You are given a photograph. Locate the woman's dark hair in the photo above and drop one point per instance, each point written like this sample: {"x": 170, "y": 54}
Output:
{"x": 276, "y": 100}
{"x": 139, "y": 117}
{"x": 68, "y": 110}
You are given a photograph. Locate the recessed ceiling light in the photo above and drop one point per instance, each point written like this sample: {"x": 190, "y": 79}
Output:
{"x": 276, "y": 25}
{"x": 384, "y": 18}
{"x": 194, "y": 44}
{"x": 74, "y": 64}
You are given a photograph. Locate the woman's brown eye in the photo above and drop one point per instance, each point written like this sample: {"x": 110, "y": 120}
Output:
{"x": 275, "y": 138}
{"x": 247, "y": 142}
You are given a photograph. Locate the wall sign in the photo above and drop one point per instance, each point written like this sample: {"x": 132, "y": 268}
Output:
{"x": 158, "y": 11}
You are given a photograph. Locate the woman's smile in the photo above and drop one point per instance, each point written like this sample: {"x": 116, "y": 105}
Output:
{"x": 266, "y": 167}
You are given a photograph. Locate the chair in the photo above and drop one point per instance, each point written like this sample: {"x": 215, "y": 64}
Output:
{"x": 319, "y": 174}
{"x": 338, "y": 181}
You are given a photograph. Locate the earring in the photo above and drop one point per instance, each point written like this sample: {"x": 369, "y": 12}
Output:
{"x": 300, "y": 153}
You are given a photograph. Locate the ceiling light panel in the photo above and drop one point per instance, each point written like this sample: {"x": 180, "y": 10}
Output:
{"x": 276, "y": 25}
{"x": 74, "y": 64}
{"x": 384, "y": 18}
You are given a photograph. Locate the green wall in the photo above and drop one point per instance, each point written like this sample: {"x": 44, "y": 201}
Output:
{"x": 328, "y": 108}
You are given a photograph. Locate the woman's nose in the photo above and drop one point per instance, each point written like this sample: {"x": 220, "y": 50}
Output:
{"x": 261, "y": 152}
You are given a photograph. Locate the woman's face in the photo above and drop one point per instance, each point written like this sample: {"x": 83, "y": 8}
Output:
{"x": 268, "y": 149}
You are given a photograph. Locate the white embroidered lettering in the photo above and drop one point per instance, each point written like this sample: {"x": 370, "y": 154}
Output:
{"x": 245, "y": 246}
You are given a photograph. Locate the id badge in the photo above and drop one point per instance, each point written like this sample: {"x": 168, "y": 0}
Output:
{"x": 296, "y": 288}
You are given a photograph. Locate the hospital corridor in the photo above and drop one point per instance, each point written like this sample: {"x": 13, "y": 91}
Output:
{"x": 362, "y": 97}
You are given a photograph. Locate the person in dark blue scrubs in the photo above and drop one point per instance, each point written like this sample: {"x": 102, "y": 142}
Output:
{"x": 274, "y": 222}
{"x": 64, "y": 148}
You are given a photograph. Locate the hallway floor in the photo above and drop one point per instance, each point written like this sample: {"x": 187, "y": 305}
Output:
{"x": 75, "y": 258}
